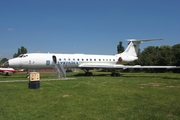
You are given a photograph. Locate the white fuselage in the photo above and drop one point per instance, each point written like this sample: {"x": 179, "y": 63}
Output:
{"x": 45, "y": 60}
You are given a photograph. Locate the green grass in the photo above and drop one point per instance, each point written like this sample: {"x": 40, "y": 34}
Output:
{"x": 138, "y": 96}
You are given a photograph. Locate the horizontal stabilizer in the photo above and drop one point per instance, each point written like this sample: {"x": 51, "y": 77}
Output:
{"x": 134, "y": 40}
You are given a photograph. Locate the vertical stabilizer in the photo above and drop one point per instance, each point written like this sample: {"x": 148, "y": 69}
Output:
{"x": 132, "y": 48}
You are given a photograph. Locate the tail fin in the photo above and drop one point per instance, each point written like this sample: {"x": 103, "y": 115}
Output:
{"x": 133, "y": 47}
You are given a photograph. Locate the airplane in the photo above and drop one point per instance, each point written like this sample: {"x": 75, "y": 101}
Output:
{"x": 85, "y": 62}
{"x": 6, "y": 71}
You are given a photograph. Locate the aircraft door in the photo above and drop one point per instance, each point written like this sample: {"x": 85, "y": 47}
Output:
{"x": 54, "y": 59}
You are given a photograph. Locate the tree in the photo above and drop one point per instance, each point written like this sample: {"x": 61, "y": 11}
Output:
{"x": 176, "y": 55}
{"x": 148, "y": 57}
{"x": 3, "y": 60}
{"x": 161, "y": 56}
{"x": 164, "y": 57}
{"x": 120, "y": 48}
{"x": 21, "y": 50}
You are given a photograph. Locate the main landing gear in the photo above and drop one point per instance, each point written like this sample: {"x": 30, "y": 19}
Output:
{"x": 87, "y": 73}
{"x": 115, "y": 74}
{"x": 27, "y": 73}
{"x": 6, "y": 74}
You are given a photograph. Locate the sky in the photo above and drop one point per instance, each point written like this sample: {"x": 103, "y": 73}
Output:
{"x": 85, "y": 26}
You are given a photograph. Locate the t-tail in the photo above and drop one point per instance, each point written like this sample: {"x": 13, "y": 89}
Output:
{"x": 133, "y": 47}
{"x": 131, "y": 52}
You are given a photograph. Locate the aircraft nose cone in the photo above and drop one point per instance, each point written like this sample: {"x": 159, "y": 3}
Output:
{"x": 14, "y": 63}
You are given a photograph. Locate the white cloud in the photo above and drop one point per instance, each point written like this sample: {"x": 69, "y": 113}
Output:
{"x": 10, "y": 29}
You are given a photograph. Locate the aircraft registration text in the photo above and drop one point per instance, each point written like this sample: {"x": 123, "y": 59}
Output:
{"x": 68, "y": 63}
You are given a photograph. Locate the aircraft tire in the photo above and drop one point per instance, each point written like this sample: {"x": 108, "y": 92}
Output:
{"x": 117, "y": 74}
{"x": 113, "y": 74}
{"x": 88, "y": 73}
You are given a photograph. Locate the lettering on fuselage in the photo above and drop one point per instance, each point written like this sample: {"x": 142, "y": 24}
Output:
{"x": 31, "y": 62}
{"x": 68, "y": 63}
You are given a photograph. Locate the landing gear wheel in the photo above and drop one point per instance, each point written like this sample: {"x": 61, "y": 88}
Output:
{"x": 115, "y": 74}
{"x": 6, "y": 74}
{"x": 88, "y": 73}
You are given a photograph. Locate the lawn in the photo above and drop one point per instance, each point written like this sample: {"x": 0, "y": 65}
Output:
{"x": 132, "y": 96}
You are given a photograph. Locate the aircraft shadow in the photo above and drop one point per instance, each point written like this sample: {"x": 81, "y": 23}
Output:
{"x": 82, "y": 74}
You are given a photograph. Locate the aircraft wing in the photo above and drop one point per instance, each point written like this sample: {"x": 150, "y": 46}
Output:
{"x": 108, "y": 66}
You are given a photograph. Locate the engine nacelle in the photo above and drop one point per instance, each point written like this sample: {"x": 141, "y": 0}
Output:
{"x": 127, "y": 59}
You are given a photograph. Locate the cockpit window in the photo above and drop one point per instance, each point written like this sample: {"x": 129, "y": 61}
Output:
{"x": 23, "y": 55}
